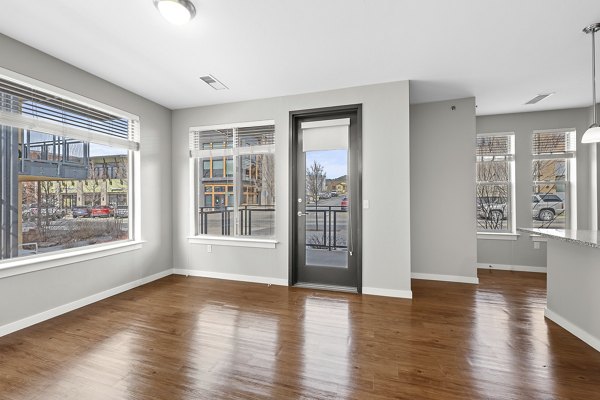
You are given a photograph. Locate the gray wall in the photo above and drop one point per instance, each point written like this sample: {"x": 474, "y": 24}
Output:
{"x": 521, "y": 251}
{"x": 442, "y": 153}
{"x": 25, "y": 295}
{"x": 386, "y": 229}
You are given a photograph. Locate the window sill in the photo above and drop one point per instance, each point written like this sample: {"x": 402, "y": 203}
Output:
{"x": 25, "y": 265}
{"x": 234, "y": 241}
{"x": 498, "y": 236}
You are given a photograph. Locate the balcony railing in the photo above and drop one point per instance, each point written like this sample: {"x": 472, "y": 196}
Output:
{"x": 326, "y": 226}
{"x": 254, "y": 220}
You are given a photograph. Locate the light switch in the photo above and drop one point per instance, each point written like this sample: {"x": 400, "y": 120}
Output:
{"x": 366, "y": 204}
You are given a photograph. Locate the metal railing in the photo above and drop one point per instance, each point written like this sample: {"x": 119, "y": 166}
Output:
{"x": 250, "y": 217}
{"x": 327, "y": 227}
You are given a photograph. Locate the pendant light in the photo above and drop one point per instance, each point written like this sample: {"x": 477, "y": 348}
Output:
{"x": 177, "y": 12}
{"x": 592, "y": 135}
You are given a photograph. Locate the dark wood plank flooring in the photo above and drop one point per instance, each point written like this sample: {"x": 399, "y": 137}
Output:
{"x": 195, "y": 338}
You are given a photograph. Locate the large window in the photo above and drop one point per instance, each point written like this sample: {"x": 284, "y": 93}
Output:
{"x": 494, "y": 183}
{"x": 553, "y": 170}
{"x": 65, "y": 169}
{"x": 234, "y": 179}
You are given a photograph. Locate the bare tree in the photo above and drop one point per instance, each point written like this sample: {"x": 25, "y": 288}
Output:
{"x": 315, "y": 179}
{"x": 493, "y": 177}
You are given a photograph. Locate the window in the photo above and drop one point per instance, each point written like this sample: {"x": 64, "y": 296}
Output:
{"x": 553, "y": 170}
{"x": 65, "y": 165}
{"x": 494, "y": 183}
{"x": 234, "y": 180}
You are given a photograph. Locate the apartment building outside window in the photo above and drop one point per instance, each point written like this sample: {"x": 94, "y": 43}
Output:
{"x": 234, "y": 179}
{"x": 495, "y": 183}
{"x": 553, "y": 173}
{"x": 65, "y": 168}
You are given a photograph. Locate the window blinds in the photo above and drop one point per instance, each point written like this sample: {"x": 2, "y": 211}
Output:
{"x": 553, "y": 142}
{"x": 235, "y": 139}
{"x": 494, "y": 145}
{"x": 28, "y": 106}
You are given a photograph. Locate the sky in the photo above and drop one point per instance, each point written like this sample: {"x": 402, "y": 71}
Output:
{"x": 334, "y": 161}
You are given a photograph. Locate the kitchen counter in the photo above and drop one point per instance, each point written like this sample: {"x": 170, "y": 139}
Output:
{"x": 573, "y": 281}
{"x": 577, "y": 236}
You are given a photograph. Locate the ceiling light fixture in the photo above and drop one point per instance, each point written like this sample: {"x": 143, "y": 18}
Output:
{"x": 592, "y": 135}
{"x": 177, "y": 12}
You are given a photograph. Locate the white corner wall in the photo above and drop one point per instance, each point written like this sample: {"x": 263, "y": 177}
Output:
{"x": 27, "y": 298}
{"x": 442, "y": 165}
{"x": 386, "y": 225}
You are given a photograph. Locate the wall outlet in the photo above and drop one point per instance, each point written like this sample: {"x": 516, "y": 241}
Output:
{"x": 209, "y": 248}
{"x": 536, "y": 245}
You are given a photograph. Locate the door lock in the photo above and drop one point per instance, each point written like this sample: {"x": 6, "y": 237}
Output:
{"x": 301, "y": 214}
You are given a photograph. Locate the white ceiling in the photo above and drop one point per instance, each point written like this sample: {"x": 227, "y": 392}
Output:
{"x": 504, "y": 52}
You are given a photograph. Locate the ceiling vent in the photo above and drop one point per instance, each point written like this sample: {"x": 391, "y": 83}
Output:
{"x": 213, "y": 82}
{"x": 539, "y": 98}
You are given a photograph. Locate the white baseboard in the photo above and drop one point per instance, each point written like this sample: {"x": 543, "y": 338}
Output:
{"x": 507, "y": 267}
{"x": 574, "y": 329}
{"x": 65, "y": 308}
{"x": 445, "y": 278}
{"x": 403, "y": 294}
{"x": 231, "y": 277}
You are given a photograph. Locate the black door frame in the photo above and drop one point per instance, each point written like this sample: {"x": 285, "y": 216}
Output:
{"x": 355, "y": 165}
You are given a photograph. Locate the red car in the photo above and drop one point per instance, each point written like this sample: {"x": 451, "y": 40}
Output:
{"x": 344, "y": 203}
{"x": 102, "y": 211}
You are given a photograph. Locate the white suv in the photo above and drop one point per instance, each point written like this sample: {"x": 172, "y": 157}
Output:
{"x": 546, "y": 207}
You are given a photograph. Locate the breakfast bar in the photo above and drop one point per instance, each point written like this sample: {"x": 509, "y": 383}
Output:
{"x": 573, "y": 281}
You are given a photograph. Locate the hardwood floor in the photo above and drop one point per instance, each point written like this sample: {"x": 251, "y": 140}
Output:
{"x": 196, "y": 338}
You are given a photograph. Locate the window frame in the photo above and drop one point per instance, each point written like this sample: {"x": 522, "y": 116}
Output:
{"x": 224, "y": 240}
{"x": 508, "y": 234}
{"x": 570, "y": 182}
{"x": 37, "y": 262}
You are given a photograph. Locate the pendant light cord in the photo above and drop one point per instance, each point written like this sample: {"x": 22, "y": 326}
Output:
{"x": 595, "y": 123}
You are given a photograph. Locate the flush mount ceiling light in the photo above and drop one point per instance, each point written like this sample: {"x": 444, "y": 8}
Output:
{"x": 592, "y": 135}
{"x": 177, "y": 12}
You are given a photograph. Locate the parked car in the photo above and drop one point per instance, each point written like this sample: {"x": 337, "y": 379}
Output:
{"x": 334, "y": 193}
{"x": 344, "y": 203}
{"x": 122, "y": 212}
{"x": 44, "y": 211}
{"x": 324, "y": 195}
{"x": 102, "y": 212}
{"x": 492, "y": 207}
{"x": 545, "y": 207}
{"x": 81, "y": 212}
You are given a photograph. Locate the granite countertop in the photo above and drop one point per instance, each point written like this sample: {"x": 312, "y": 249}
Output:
{"x": 578, "y": 236}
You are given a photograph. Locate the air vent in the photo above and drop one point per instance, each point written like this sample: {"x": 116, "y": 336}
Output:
{"x": 539, "y": 98}
{"x": 213, "y": 82}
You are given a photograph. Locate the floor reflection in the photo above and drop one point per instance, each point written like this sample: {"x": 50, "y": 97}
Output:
{"x": 195, "y": 338}
{"x": 326, "y": 343}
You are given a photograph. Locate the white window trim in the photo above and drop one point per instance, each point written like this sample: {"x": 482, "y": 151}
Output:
{"x": 513, "y": 195}
{"x": 234, "y": 241}
{"x": 21, "y": 265}
{"x": 28, "y": 264}
{"x": 571, "y": 159}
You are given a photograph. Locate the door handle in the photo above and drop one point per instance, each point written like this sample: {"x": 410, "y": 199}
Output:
{"x": 301, "y": 214}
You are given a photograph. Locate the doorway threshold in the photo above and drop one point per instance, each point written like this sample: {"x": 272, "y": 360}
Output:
{"x": 334, "y": 288}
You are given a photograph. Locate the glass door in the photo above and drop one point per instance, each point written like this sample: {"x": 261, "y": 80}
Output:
{"x": 326, "y": 215}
